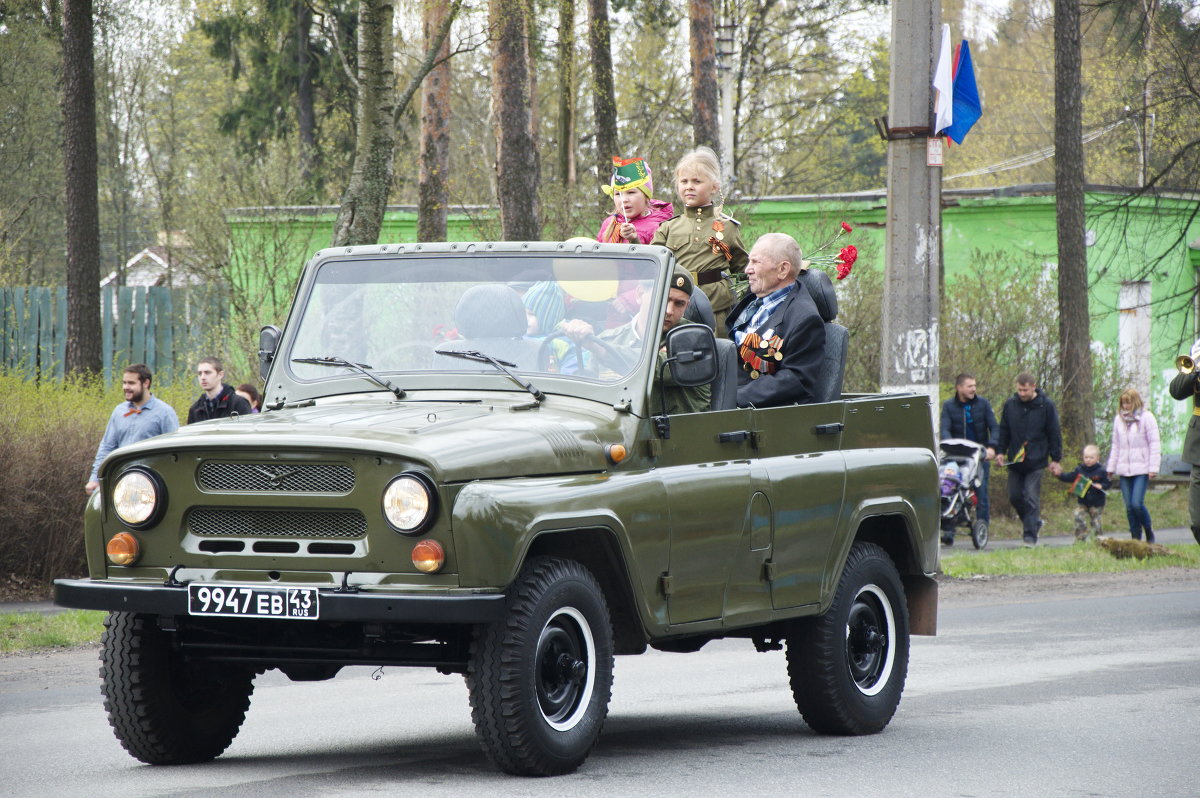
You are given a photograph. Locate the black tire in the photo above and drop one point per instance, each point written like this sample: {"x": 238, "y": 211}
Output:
{"x": 979, "y": 533}
{"x": 847, "y": 667}
{"x": 540, "y": 680}
{"x": 164, "y": 709}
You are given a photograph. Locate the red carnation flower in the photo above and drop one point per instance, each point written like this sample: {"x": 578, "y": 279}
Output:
{"x": 847, "y": 227}
{"x": 845, "y": 261}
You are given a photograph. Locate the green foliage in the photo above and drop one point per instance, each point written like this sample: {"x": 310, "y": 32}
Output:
{"x": 30, "y": 631}
{"x": 31, "y": 171}
{"x": 1085, "y": 558}
{"x": 264, "y": 53}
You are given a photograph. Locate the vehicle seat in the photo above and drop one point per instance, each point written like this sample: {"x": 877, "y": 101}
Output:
{"x": 724, "y": 385}
{"x": 491, "y": 319}
{"x": 828, "y": 386}
{"x": 699, "y": 310}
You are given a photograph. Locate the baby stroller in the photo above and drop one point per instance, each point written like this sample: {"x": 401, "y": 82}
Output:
{"x": 960, "y": 471}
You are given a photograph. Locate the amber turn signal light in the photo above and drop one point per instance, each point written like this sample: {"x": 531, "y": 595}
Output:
{"x": 615, "y": 453}
{"x": 123, "y": 549}
{"x": 429, "y": 556}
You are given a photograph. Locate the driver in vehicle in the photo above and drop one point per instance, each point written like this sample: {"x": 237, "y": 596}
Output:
{"x": 628, "y": 338}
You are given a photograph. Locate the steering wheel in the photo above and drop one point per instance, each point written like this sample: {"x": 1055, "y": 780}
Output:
{"x": 605, "y": 354}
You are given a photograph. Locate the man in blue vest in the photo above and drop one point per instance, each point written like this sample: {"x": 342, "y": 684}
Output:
{"x": 968, "y": 415}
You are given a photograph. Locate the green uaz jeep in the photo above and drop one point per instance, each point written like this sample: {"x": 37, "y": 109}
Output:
{"x": 442, "y": 477}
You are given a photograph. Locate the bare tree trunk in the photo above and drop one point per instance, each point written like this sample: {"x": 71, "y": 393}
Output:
{"x": 516, "y": 150}
{"x": 566, "y": 92}
{"x": 1075, "y": 357}
{"x": 706, "y": 128}
{"x": 604, "y": 100}
{"x": 360, "y": 217}
{"x": 306, "y": 119}
{"x": 80, "y": 199}
{"x": 433, "y": 195}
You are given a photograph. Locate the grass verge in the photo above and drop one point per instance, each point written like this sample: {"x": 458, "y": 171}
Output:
{"x": 1078, "y": 559}
{"x": 29, "y": 631}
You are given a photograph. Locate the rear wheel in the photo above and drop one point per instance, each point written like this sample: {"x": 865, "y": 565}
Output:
{"x": 847, "y": 667}
{"x": 979, "y": 533}
{"x": 540, "y": 680}
{"x": 164, "y": 709}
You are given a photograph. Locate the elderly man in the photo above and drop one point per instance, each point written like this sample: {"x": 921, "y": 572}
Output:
{"x": 629, "y": 336}
{"x": 778, "y": 331}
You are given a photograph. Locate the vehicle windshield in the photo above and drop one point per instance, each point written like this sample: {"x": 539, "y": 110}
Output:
{"x": 563, "y": 314}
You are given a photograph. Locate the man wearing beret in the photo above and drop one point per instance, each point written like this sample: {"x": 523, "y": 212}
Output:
{"x": 1186, "y": 385}
{"x": 629, "y": 336}
{"x": 779, "y": 333}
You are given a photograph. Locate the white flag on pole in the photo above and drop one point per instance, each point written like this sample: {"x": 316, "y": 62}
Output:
{"x": 943, "y": 86}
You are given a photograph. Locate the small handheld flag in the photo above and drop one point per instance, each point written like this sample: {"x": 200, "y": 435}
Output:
{"x": 1081, "y": 486}
{"x": 1019, "y": 457}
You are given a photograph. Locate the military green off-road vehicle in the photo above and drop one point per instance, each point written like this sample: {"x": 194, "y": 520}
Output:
{"x": 434, "y": 482}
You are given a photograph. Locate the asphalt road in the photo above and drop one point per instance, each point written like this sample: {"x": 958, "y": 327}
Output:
{"x": 1046, "y": 694}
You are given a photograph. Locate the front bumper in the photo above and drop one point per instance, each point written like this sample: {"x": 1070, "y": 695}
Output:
{"x": 336, "y": 605}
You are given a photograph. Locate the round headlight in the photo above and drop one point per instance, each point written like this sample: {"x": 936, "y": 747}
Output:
{"x": 408, "y": 503}
{"x": 136, "y": 497}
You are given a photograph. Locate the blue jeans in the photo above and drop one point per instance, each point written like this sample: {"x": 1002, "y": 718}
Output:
{"x": 1133, "y": 491}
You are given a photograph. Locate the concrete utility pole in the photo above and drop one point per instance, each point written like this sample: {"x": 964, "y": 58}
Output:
{"x": 914, "y": 218}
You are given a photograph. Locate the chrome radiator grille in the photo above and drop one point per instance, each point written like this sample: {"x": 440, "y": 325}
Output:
{"x": 277, "y": 523}
{"x": 276, "y": 477}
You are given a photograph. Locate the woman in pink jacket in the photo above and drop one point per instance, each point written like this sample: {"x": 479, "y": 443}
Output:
{"x": 1135, "y": 457}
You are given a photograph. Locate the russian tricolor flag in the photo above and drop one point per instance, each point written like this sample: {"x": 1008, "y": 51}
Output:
{"x": 957, "y": 107}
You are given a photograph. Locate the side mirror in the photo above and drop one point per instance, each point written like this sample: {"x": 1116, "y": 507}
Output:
{"x": 692, "y": 355}
{"x": 268, "y": 344}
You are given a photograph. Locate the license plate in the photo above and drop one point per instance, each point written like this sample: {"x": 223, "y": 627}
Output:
{"x": 241, "y": 601}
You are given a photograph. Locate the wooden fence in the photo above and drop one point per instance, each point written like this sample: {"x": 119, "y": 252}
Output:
{"x": 165, "y": 328}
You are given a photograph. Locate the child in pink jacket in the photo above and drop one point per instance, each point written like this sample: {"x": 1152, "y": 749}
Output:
{"x": 637, "y": 214}
{"x": 1134, "y": 458}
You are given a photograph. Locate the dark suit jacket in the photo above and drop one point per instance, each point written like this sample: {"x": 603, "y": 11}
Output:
{"x": 1183, "y": 387}
{"x": 797, "y": 322}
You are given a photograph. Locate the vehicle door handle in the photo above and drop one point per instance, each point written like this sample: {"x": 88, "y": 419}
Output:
{"x": 829, "y": 429}
{"x": 733, "y": 437}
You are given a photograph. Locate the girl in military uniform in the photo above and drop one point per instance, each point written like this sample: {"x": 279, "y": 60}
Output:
{"x": 705, "y": 241}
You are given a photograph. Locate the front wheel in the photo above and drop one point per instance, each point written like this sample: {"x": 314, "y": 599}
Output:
{"x": 847, "y": 667}
{"x": 540, "y": 680}
{"x": 979, "y": 533}
{"x": 164, "y": 708}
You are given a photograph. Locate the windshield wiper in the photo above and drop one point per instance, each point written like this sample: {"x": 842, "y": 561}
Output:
{"x": 334, "y": 360}
{"x": 483, "y": 357}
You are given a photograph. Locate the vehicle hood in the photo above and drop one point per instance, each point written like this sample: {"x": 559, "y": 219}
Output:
{"x": 456, "y": 440}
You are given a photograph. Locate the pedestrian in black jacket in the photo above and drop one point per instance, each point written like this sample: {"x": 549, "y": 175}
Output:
{"x": 969, "y": 416}
{"x": 218, "y": 400}
{"x": 1030, "y": 439}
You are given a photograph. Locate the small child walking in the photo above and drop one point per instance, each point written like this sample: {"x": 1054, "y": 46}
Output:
{"x": 1088, "y": 481}
{"x": 705, "y": 241}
